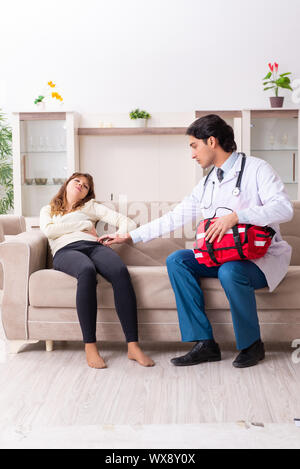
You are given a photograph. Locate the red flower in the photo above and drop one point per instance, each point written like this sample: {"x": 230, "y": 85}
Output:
{"x": 276, "y": 67}
{"x": 271, "y": 67}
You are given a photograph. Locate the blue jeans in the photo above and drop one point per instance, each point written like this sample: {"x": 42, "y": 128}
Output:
{"x": 239, "y": 279}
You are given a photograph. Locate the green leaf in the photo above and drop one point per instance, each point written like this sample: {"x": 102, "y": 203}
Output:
{"x": 139, "y": 114}
{"x": 6, "y": 172}
{"x": 269, "y": 88}
{"x": 268, "y": 76}
{"x": 283, "y": 81}
{"x": 39, "y": 99}
{"x": 286, "y": 86}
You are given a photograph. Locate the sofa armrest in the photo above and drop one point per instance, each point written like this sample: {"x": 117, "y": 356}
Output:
{"x": 12, "y": 224}
{"x": 21, "y": 255}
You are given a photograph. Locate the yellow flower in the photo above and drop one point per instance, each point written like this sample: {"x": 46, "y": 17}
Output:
{"x": 56, "y": 95}
{"x": 51, "y": 84}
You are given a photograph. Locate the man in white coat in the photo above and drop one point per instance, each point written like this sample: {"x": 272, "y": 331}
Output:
{"x": 256, "y": 195}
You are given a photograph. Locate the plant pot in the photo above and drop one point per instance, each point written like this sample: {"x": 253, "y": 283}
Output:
{"x": 139, "y": 122}
{"x": 276, "y": 101}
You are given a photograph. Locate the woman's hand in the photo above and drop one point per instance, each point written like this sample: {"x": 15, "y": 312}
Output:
{"x": 114, "y": 238}
{"x": 220, "y": 226}
{"x": 92, "y": 232}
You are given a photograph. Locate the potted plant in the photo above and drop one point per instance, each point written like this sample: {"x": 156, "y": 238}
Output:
{"x": 139, "y": 117}
{"x": 41, "y": 100}
{"x": 273, "y": 80}
{"x": 40, "y": 103}
{"x": 6, "y": 171}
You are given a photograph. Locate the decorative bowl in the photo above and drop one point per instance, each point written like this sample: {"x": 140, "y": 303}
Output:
{"x": 58, "y": 180}
{"x": 29, "y": 181}
{"x": 41, "y": 181}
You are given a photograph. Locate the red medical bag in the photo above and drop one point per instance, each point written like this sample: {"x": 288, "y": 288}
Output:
{"x": 241, "y": 242}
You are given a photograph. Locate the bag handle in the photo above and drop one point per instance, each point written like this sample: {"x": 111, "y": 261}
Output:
{"x": 236, "y": 236}
{"x": 208, "y": 220}
{"x": 237, "y": 242}
{"x": 226, "y": 208}
{"x": 211, "y": 252}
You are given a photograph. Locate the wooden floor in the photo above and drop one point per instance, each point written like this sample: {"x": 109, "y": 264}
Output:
{"x": 53, "y": 399}
{"x": 58, "y": 389}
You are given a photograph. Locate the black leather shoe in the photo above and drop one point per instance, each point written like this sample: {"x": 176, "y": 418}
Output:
{"x": 250, "y": 356}
{"x": 203, "y": 351}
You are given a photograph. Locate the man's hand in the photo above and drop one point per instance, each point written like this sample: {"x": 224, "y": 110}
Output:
{"x": 114, "y": 238}
{"x": 220, "y": 226}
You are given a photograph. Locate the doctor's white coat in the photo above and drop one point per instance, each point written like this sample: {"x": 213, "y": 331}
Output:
{"x": 263, "y": 201}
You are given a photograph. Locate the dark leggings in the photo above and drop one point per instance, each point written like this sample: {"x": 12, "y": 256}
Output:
{"x": 83, "y": 260}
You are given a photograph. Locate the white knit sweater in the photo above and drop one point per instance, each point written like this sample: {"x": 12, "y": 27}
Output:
{"x": 65, "y": 229}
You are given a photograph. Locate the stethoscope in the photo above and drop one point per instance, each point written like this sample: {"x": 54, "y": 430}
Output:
{"x": 236, "y": 191}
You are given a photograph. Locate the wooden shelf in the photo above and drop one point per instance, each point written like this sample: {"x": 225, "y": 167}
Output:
{"x": 38, "y": 116}
{"x": 275, "y": 113}
{"x": 269, "y": 112}
{"x": 224, "y": 114}
{"x": 132, "y": 131}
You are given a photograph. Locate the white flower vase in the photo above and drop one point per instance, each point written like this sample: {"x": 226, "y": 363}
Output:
{"x": 41, "y": 106}
{"x": 140, "y": 122}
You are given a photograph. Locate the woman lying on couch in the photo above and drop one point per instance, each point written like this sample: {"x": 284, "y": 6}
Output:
{"x": 69, "y": 224}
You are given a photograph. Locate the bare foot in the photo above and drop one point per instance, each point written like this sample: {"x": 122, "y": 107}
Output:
{"x": 93, "y": 358}
{"x": 135, "y": 353}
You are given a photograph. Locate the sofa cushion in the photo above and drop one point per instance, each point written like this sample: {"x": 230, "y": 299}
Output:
{"x": 51, "y": 288}
{"x": 152, "y": 253}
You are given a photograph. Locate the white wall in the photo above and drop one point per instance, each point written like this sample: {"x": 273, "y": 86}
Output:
{"x": 162, "y": 55}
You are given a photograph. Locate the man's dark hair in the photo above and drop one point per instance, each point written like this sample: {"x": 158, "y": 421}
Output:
{"x": 213, "y": 126}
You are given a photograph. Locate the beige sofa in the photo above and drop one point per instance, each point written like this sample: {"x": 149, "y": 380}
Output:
{"x": 10, "y": 225}
{"x": 39, "y": 303}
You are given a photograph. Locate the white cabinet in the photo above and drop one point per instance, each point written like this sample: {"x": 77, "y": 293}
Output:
{"x": 150, "y": 164}
{"x": 145, "y": 167}
{"x": 270, "y": 134}
{"x": 273, "y": 135}
{"x": 45, "y": 154}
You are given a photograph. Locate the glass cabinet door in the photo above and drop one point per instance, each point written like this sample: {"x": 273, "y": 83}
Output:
{"x": 275, "y": 139}
{"x": 43, "y": 165}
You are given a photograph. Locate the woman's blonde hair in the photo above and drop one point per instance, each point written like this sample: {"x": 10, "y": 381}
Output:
{"x": 59, "y": 202}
